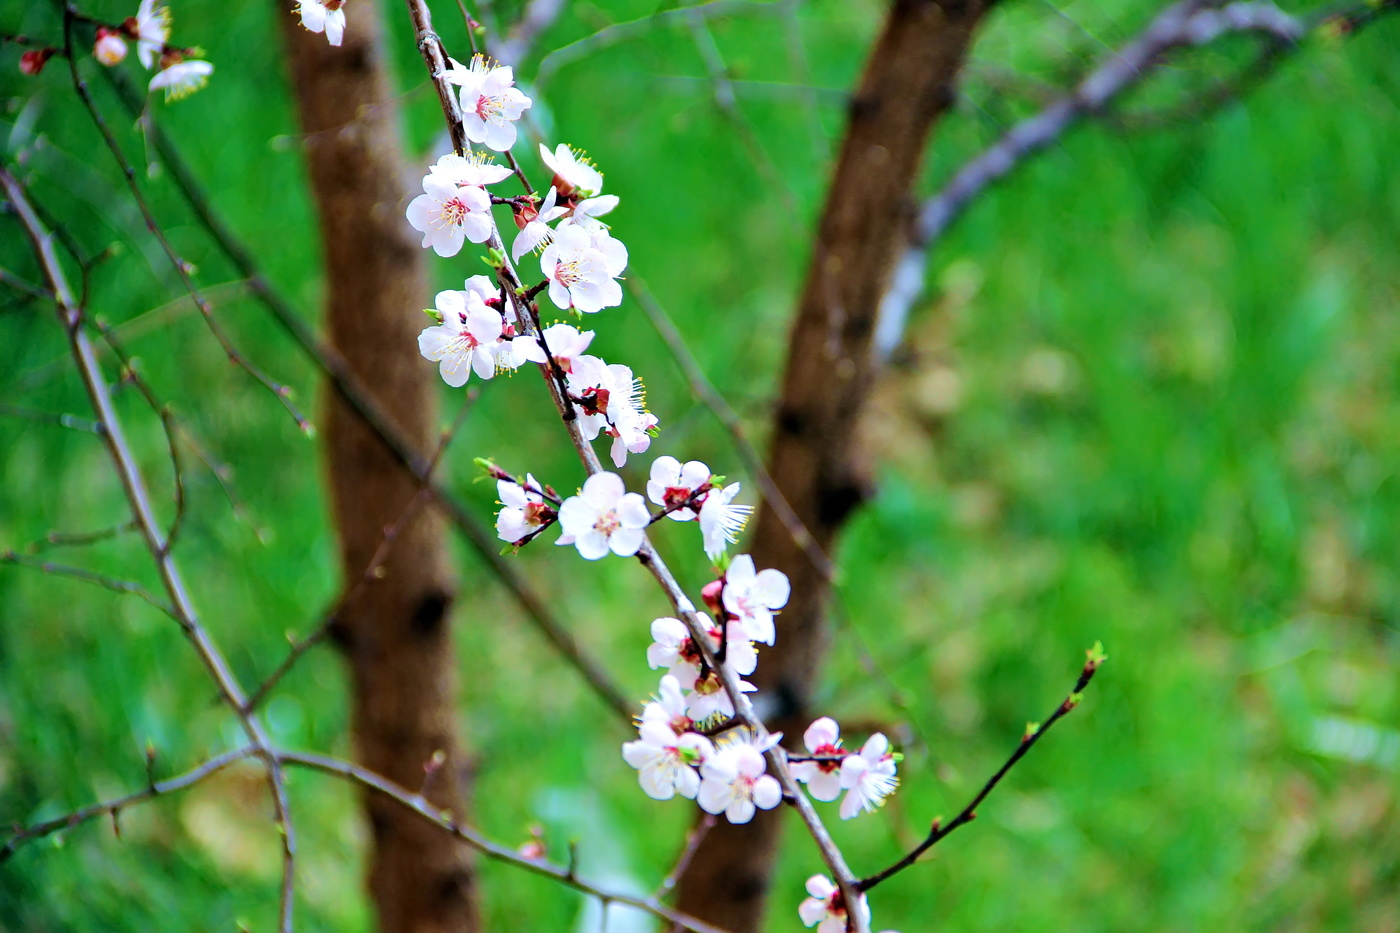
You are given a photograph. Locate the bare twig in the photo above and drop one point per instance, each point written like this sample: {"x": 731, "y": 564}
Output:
{"x": 63, "y": 420}
{"x": 129, "y": 587}
{"x": 697, "y": 835}
{"x": 445, "y": 820}
{"x": 115, "y": 806}
{"x": 710, "y": 397}
{"x": 182, "y": 268}
{"x": 134, "y": 486}
{"x": 77, "y": 538}
{"x": 538, "y": 16}
{"x": 1032, "y": 735}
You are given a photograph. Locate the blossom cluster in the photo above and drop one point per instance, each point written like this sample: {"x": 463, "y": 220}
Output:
{"x": 694, "y": 739}
{"x": 179, "y": 72}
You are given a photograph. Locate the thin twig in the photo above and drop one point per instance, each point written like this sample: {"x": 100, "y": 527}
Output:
{"x": 537, "y": 16}
{"x": 1032, "y": 735}
{"x": 128, "y": 587}
{"x": 710, "y": 397}
{"x": 446, "y": 821}
{"x": 697, "y": 835}
{"x": 116, "y": 805}
{"x": 138, "y": 497}
{"x": 182, "y": 268}
{"x": 348, "y": 386}
{"x": 77, "y": 538}
{"x": 63, "y": 420}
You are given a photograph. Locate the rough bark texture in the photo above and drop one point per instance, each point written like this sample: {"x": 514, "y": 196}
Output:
{"x": 909, "y": 82}
{"x": 395, "y": 635}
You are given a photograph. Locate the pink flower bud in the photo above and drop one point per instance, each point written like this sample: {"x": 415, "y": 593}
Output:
{"x": 33, "y": 61}
{"x": 110, "y": 48}
{"x": 710, "y": 594}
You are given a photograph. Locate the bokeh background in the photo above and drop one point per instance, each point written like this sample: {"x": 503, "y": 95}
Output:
{"x": 1150, "y": 398}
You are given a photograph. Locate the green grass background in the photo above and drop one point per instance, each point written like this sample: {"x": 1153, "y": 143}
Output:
{"x": 1150, "y": 398}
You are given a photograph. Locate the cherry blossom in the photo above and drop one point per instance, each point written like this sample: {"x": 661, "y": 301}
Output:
{"x": 667, "y": 758}
{"x": 721, "y": 520}
{"x": 585, "y": 213}
{"x": 32, "y": 61}
{"x": 668, "y": 707}
{"x": 580, "y": 275}
{"x": 324, "y": 16}
{"x": 573, "y": 173}
{"x": 182, "y": 78}
{"x": 708, "y": 698}
{"x": 823, "y": 778}
{"x": 751, "y": 597}
{"x": 868, "y": 777}
{"x": 603, "y": 517}
{"x": 109, "y": 47}
{"x": 673, "y": 483}
{"x": 826, "y": 908}
{"x": 465, "y": 341}
{"x": 523, "y": 509}
{"x": 151, "y": 27}
{"x": 566, "y": 344}
{"x": 734, "y": 782}
{"x": 534, "y": 225}
{"x": 455, "y": 205}
{"x": 673, "y": 648}
{"x": 490, "y": 102}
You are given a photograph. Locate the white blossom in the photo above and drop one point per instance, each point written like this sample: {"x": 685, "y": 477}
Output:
{"x": 535, "y": 231}
{"x": 734, "y": 782}
{"x": 566, "y": 344}
{"x": 182, "y": 79}
{"x": 465, "y": 341}
{"x": 152, "y": 31}
{"x": 324, "y": 16}
{"x": 721, "y": 520}
{"x": 580, "y": 275}
{"x": 868, "y": 777}
{"x": 708, "y": 698}
{"x": 490, "y": 102}
{"x": 823, "y": 778}
{"x": 109, "y": 48}
{"x": 603, "y": 517}
{"x": 523, "y": 509}
{"x": 673, "y": 483}
{"x": 585, "y": 213}
{"x": 825, "y": 908}
{"x": 673, "y": 648}
{"x": 572, "y": 171}
{"x": 446, "y": 214}
{"x": 752, "y": 597}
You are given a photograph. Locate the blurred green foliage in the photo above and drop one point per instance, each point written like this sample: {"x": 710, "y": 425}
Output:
{"x": 1151, "y": 398}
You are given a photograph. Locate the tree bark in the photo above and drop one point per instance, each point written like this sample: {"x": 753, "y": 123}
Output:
{"x": 395, "y": 634}
{"x": 816, "y": 460}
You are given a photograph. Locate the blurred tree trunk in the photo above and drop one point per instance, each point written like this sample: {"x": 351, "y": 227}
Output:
{"x": 816, "y": 458}
{"x": 395, "y": 635}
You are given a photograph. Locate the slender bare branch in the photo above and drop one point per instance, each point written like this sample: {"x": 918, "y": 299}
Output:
{"x": 70, "y": 315}
{"x": 939, "y": 830}
{"x": 116, "y": 585}
{"x": 182, "y": 268}
{"x": 113, "y": 807}
{"x": 566, "y": 875}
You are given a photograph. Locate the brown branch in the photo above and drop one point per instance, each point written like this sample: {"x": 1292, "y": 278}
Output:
{"x": 350, "y": 389}
{"x": 649, "y": 558}
{"x": 939, "y": 830}
{"x": 127, "y": 587}
{"x": 116, "y": 805}
{"x": 134, "y": 486}
{"x": 446, "y": 821}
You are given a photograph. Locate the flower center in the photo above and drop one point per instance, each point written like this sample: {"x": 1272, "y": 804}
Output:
{"x": 454, "y": 211}
{"x": 676, "y": 496}
{"x": 488, "y": 108}
{"x": 567, "y": 273}
{"x": 607, "y": 523}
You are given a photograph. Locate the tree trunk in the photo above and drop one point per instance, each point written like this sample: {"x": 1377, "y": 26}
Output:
{"x": 395, "y": 633}
{"x": 909, "y": 82}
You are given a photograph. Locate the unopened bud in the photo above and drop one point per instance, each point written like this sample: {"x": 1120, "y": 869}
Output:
{"x": 110, "y": 48}
{"x": 33, "y": 61}
{"x": 711, "y": 593}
